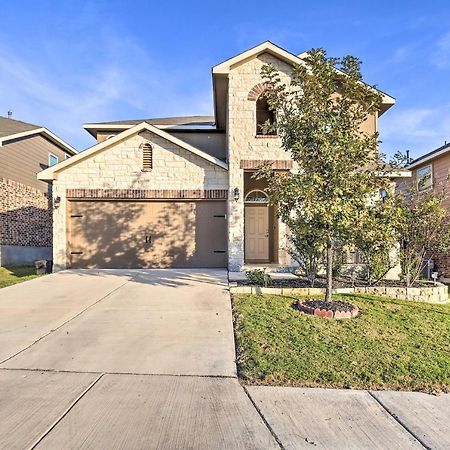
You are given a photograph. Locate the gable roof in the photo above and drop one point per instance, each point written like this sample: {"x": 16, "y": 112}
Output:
{"x": 269, "y": 47}
{"x": 266, "y": 47}
{"x": 179, "y": 122}
{"x": 51, "y": 173}
{"x": 11, "y": 129}
{"x": 430, "y": 156}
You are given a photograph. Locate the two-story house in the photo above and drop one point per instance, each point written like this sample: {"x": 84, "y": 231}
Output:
{"x": 25, "y": 201}
{"x": 432, "y": 171}
{"x": 178, "y": 192}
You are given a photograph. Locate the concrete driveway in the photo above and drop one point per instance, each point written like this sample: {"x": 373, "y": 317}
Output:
{"x": 145, "y": 359}
{"x": 175, "y": 322}
{"x": 123, "y": 359}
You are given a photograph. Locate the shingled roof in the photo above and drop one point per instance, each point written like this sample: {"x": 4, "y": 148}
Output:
{"x": 9, "y": 126}
{"x": 181, "y": 120}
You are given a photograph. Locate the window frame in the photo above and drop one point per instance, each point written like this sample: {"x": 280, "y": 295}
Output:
{"x": 257, "y": 202}
{"x": 271, "y": 117}
{"x": 418, "y": 178}
{"x": 50, "y": 155}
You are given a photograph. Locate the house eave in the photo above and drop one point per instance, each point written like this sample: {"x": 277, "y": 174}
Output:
{"x": 51, "y": 173}
{"x": 44, "y": 131}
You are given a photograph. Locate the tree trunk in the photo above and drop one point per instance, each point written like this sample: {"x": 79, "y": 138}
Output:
{"x": 329, "y": 271}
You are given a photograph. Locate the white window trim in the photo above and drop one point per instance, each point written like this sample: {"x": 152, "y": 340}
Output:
{"x": 49, "y": 157}
{"x": 418, "y": 178}
{"x": 256, "y": 202}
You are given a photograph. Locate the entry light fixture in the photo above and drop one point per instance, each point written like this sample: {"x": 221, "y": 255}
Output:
{"x": 56, "y": 202}
{"x": 236, "y": 194}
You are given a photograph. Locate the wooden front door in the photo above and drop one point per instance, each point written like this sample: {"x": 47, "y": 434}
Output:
{"x": 256, "y": 233}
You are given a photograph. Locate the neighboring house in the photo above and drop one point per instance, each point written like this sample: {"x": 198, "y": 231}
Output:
{"x": 429, "y": 171}
{"x": 25, "y": 201}
{"x": 178, "y": 192}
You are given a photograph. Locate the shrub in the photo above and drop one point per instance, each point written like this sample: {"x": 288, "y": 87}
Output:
{"x": 259, "y": 277}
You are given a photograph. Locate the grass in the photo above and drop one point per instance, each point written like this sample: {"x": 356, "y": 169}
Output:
{"x": 392, "y": 344}
{"x": 13, "y": 275}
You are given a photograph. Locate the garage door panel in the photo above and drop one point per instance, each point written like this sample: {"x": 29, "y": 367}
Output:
{"x": 117, "y": 234}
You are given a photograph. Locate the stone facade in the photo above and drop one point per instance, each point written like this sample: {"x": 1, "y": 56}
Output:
{"x": 245, "y": 82}
{"x": 25, "y": 215}
{"x": 116, "y": 170}
{"x": 119, "y": 167}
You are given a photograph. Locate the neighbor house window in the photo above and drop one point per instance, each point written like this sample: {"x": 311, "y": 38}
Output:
{"x": 147, "y": 157}
{"x": 424, "y": 178}
{"x": 264, "y": 117}
{"x": 52, "y": 159}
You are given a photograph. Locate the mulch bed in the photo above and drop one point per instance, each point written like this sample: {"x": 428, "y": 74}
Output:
{"x": 337, "y": 283}
{"x": 328, "y": 310}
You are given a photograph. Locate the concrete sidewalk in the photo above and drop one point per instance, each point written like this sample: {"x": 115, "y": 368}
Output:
{"x": 350, "y": 419}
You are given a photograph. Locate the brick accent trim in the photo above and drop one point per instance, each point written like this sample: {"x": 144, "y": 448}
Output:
{"x": 148, "y": 194}
{"x": 257, "y": 91}
{"x": 275, "y": 164}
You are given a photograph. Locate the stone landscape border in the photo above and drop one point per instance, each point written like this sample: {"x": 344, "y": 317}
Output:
{"x": 431, "y": 294}
{"x": 303, "y": 307}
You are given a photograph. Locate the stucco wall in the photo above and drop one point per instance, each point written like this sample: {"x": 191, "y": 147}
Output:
{"x": 119, "y": 167}
{"x": 244, "y": 144}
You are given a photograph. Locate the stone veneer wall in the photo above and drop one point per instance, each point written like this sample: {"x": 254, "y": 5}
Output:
{"x": 120, "y": 167}
{"x": 25, "y": 215}
{"x": 243, "y": 144}
{"x": 432, "y": 294}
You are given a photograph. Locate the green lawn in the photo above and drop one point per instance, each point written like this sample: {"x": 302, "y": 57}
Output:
{"x": 392, "y": 344}
{"x": 13, "y": 275}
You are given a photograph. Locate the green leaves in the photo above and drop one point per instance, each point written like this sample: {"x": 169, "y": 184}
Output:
{"x": 321, "y": 118}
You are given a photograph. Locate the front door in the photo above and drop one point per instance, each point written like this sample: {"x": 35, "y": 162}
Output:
{"x": 256, "y": 233}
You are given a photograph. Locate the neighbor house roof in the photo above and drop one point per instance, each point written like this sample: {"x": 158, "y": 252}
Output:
{"x": 179, "y": 122}
{"x": 11, "y": 129}
{"x": 52, "y": 172}
{"x": 430, "y": 156}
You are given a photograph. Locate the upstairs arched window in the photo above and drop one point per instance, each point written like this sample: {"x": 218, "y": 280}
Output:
{"x": 265, "y": 117}
{"x": 147, "y": 157}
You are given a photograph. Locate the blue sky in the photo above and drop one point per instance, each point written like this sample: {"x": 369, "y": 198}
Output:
{"x": 65, "y": 63}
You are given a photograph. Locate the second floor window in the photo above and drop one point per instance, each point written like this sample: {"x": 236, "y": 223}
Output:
{"x": 52, "y": 159}
{"x": 264, "y": 117}
{"x": 424, "y": 178}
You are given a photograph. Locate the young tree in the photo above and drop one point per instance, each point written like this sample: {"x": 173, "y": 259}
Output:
{"x": 422, "y": 231}
{"x": 376, "y": 237}
{"x": 319, "y": 119}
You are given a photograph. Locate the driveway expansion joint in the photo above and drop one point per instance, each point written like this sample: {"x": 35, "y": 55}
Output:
{"x": 399, "y": 421}
{"x": 70, "y": 407}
